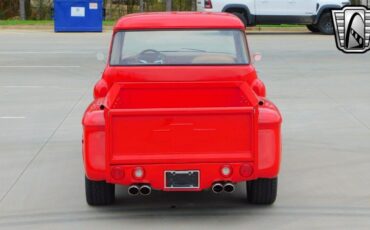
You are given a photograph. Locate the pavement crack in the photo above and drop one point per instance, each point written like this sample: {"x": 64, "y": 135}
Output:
{"x": 346, "y": 110}
{"x": 43, "y": 146}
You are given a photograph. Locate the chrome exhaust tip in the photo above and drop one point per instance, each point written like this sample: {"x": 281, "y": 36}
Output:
{"x": 145, "y": 190}
{"x": 229, "y": 187}
{"x": 217, "y": 187}
{"x": 133, "y": 190}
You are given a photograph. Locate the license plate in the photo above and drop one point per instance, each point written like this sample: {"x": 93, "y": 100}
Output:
{"x": 182, "y": 179}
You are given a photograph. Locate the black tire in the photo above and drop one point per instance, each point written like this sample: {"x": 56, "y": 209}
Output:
{"x": 313, "y": 28}
{"x": 262, "y": 191}
{"x": 241, "y": 17}
{"x": 325, "y": 24}
{"x": 99, "y": 192}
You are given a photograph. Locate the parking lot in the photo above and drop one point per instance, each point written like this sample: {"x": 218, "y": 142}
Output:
{"x": 46, "y": 82}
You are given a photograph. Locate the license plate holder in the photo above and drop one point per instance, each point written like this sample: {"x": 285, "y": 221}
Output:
{"x": 186, "y": 179}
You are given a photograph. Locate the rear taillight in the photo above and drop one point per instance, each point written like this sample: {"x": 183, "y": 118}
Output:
{"x": 208, "y": 4}
{"x": 117, "y": 172}
{"x": 246, "y": 170}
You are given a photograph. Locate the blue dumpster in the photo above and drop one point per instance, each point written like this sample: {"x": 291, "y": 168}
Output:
{"x": 78, "y": 15}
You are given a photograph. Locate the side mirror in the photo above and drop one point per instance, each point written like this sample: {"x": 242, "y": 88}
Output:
{"x": 257, "y": 57}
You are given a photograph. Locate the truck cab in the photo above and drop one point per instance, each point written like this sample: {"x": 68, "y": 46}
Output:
{"x": 316, "y": 14}
{"x": 180, "y": 107}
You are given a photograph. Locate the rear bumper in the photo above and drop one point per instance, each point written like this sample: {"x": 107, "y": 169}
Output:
{"x": 154, "y": 174}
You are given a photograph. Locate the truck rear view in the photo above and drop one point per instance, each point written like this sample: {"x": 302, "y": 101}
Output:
{"x": 183, "y": 111}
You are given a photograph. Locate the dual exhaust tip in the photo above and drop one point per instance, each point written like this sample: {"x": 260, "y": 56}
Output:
{"x": 219, "y": 187}
{"x": 144, "y": 190}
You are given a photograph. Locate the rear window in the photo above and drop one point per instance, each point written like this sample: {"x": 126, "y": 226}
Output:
{"x": 179, "y": 47}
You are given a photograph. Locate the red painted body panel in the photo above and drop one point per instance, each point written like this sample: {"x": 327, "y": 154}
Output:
{"x": 180, "y": 117}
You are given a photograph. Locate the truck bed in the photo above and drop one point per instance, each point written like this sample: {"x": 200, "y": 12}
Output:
{"x": 180, "y": 123}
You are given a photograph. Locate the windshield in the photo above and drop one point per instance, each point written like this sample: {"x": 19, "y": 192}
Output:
{"x": 179, "y": 47}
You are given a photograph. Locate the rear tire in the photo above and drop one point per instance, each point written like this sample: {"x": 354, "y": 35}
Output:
{"x": 241, "y": 17}
{"x": 325, "y": 24}
{"x": 262, "y": 191}
{"x": 99, "y": 192}
{"x": 313, "y": 28}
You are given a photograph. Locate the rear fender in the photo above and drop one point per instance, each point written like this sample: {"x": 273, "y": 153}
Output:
{"x": 251, "y": 20}
{"x": 324, "y": 9}
{"x": 269, "y": 137}
{"x": 93, "y": 142}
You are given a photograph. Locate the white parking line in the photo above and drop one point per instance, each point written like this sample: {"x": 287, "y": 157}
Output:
{"x": 36, "y": 87}
{"x": 32, "y": 87}
{"x": 22, "y": 86}
{"x": 46, "y": 52}
{"x": 12, "y": 117}
{"x": 40, "y": 66}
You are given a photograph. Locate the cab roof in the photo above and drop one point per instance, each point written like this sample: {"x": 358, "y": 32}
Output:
{"x": 178, "y": 20}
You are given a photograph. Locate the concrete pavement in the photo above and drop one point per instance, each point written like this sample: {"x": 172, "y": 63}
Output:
{"x": 46, "y": 82}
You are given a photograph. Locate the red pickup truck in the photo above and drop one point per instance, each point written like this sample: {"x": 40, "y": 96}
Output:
{"x": 180, "y": 108}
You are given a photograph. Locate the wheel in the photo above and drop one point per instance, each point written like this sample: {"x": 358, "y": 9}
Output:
{"x": 313, "y": 28}
{"x": 241, "y": 17}
{"x": 325, "y": 24}
{"x": 99, "y": 192}
{"x": 262, "y": 191}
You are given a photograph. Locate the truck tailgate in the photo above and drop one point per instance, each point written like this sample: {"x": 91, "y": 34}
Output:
{"x": 180, "y": 123}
